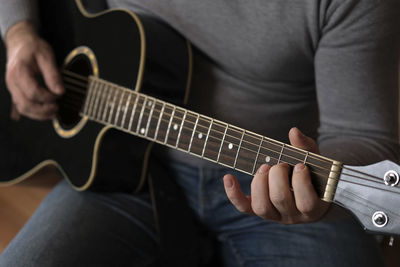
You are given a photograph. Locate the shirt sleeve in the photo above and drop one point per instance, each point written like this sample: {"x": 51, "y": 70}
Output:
{"x": 13, "y": 11}
{"x": 357, "y": 80}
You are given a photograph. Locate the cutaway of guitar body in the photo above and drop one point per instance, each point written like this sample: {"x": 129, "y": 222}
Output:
{"x": 121, "y": 47}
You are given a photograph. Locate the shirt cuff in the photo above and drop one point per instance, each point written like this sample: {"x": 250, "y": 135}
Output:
{"x": 13, "y": 11}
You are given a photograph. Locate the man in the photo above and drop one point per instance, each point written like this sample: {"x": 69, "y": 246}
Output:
{"x": 328, "y": 67}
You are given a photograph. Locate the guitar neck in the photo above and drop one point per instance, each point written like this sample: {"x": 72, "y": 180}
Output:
{"x": 199, "y": 135}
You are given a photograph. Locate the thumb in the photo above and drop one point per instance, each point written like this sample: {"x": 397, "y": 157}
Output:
{"x": 299, "y": 140}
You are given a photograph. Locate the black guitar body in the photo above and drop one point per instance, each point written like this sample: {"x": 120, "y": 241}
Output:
{"x": 124, "y": 48}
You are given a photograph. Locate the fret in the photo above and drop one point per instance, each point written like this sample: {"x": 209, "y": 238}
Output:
{"x": 237, "y": 153}
{"x": 214, "y": 141}
{"x": 187, "y": 130}
{"x": 153, "y": 104}
{"x": 319, "y": 164}
{"x": 159, "y": 121}
{"x": 133, "y": 112}
{"x": 127, "y": 104}
{"x": 93, "y": 92}
{"x": 115, "y": 105}
{"x": 180, "y": 128}
{"x": 293, "y": 155}
{"x": 112, "y": 104}
{"x": 174, "y": 127}
{"x": 194, "y": 131}
{"x": 88, "y": 96}
{"x": 107, "y": 103}
{"x": 222, "y": 143}
{"x": 200, "y": 132}
{"x": 248, "y": 152}
{"x": 207, "y": 136}
{"x": 155, "y": 115}
{"x": 258, "y": 154}
{"x": 144, "y": 104}
{"x": 96, "y": 103}
{"x": 269, "y": 152}
{"x": 318, "y": 167}
{"x": 280, "y": 154}
{"x": 169, "y": 124}
{"x": 119, "y": 107}
{"x": 305, "y": 158}
{"x": 164, "y": 122}
{"x": 101, "y": 102}
{"x": 230, "y": 146}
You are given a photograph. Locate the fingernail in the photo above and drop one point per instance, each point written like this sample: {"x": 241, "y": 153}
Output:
{"x": 299, "y": 167}
{"x": 228, "y": 182}
{"x": 263, "y": 168}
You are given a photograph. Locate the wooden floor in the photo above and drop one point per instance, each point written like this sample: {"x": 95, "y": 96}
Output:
{"x": 18, "y": 202}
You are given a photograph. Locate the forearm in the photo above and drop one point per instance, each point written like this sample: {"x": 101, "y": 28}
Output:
{"x": 14, "y": 11}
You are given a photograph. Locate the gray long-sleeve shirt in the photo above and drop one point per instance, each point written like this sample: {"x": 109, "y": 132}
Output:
{"x": 329, "y": 67}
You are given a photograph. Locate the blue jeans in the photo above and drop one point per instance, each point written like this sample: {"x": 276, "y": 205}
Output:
{"x": 114, "y": 229}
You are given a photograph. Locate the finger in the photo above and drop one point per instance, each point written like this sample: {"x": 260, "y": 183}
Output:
{"x": 280, "y": 193}
{"x": 49, "y": 70}
{"x": 260, "y": 201}
{"x": 307, "y": 200}
{"x": 32, "y": 109}
{"x": 27, "y": 84}
{"x": 298, "y": 139}
{"x": 235, "y": 194}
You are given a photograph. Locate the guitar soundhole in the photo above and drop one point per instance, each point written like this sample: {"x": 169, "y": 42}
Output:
{"x": 75, "y": 77}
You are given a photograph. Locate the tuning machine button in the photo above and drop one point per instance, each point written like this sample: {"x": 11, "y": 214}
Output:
{"x": 391, "y": 178}
{"x": 379, "y": 219}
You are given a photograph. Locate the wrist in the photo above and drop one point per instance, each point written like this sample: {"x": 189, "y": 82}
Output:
{"x": 23, "y": 30}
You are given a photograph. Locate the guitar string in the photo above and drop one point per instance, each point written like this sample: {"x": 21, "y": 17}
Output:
{"x": 320, "y": 174}
{"x": 277, "y": 152}
{"x": 322, "y": 188}
{"x": 245, "y": 141}
{"x": 345, "y": 174}
{"x": 234, "y": 130}
{"x": 366, "y": 200}
{"x": 236, "y": 138}
{"x": 70, "y": 104}
{"x": 288, "y": 148}
{"x": 316, "y": 173}
{"x": 218, "y": 139}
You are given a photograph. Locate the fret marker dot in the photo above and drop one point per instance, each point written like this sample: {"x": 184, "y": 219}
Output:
{"x": 267, "y": 159}
{"x": 142, "y": 131}
{"x": 200, "y": 135}
{"x": 230, "y": 146}
{"x": 175, "y": 127}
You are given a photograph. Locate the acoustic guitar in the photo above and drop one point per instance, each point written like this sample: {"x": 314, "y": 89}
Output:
{"x": 126, "y": 80}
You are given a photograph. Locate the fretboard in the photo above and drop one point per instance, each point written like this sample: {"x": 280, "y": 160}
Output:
{"x": 199, "y": 135}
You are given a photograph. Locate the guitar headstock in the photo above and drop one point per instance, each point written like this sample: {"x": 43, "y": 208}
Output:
{"x": 372, "y": 193}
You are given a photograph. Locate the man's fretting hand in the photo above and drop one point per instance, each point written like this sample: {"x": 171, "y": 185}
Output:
{"x": 30, "y": 57}
{"x": 271, "y": 196}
